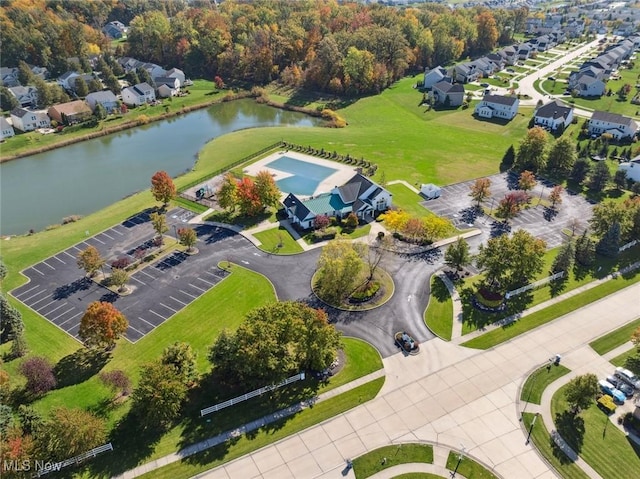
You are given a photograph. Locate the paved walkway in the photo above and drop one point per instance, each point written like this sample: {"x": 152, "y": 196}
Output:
{"x": 458, "y": 317}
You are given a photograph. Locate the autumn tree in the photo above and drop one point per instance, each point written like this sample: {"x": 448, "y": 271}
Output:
{"x": 248, "y": 200}
{"x": 101, "y": 325}
{"x": 266, "y": 189}
{"x": 162, "y": 187}
{"x": 561, "y": 157}
{"x": 415, "y": 229}
{"x": 274, "y": 342}
{"x": 436, "y": 227}
{"x": 581, "y": 391}
{"x": 70, "y": 432}
{"x": 532, "y": 151}
{"x": 39, "y": 374}
{"x": 90, "y": 260}
{"x": 119, "y": 278}
{"x": 394, "y": 219}
{"x": 339, "y": 271}
{"x": 555, "y": 196}
{"x": 227, "y": 194}
{"x": 182, "y": 358}
{"x": 457, "y": 255}
{"x": 118, "y": 381}
{"x": 187, "y": 237}
{"x": 159, "y": 223}
{"x": 527, "y": 181}
{"x": 510, "y": 205}
{"x": 320, "y": 222}
{"x": 480, "y": 190}
{"x": 487, "y": 31}
{"x": 158, "y": 398}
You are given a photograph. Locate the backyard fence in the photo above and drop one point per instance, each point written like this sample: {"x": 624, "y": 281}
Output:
{"x": 538, "y": 283}
{"x": 252, "y": 394}
{"x": 631, "y": 244}
{"x": 75, "y": 460}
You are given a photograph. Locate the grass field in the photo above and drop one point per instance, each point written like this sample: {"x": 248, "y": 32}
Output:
{"x": 538, "y": 381}
{"x": 616, "y": 338}
{"x": 602, "y": 445}
{"x": 439, "y": 314}
{"x": 385, "y": 457}
{"x": 408, "y": 200}
{"x": 468, "y": 467}
{"x": 278, "y": 241}
{"x": 542, "y": 440}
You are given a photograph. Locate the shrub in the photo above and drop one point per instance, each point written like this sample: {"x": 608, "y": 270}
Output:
{"x": 489, "y": 298}
{"x": 366, "y": 292}
{"x": 39, "y": 374}
{"x": 70, "y": 219}
{"x": 121, "y": 263}
{"x": 142, "y": 119}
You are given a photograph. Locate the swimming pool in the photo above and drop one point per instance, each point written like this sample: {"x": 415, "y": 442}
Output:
{"x": 305, "y": 176}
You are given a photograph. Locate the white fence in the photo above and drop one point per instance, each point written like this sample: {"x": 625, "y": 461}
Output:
{"x": 631, "y": 244}
{"x": 540, "y": 282}
{"x": 75, "y": 460}
{"x": 252, "y": 394}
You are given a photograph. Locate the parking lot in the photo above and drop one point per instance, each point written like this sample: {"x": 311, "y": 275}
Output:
{"x": 61, "y": 292}
{"x": 456, "y": 205}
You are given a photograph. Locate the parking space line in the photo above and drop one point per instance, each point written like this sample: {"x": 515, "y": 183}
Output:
{"x": 147, "y": 274}
{"x": 62, "y": 314}
{"x": 205, "y": 281}
{"x": 164, "y": 305}
{"x": 178, "y": 301}
{"x": 39, "y": 301}
{"x": 85, "y": 242}
{"x": 50, "y": 302}
{"x": 34, "y": 268}
{"x": 150, "y": 324}
{"x": 44, "y": 262}
{"x": 110, "y": 237}
{"x": 140, "y": 332}
{"x": 212, "y": 274}
{"x": 25, "y": 292}
{"x": 158, "y": 314}
{"x": 96, "y": 238}
{"x": 69, "y": 255}
{"x": 190, "y": 295}
{"x": 136, "y": 279}
{"x": 74, "y": 247}
{"x": 72, "y": 317}
{"x": 55, "y": 309}
{"x": 199, "y": 289}
{"x": 55, "y": 257}
{"x": 116, "y": 231}
{"x": 33, "y": 296}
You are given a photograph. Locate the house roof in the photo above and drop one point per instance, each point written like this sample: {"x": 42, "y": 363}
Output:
{"x": 446, "y": 87}
{"x": 4, "y": 124}
{"x": 363, "y": 183}
{"x": 169, "y": 81}
{"x": 554, "y": 110}
{"x": 587, "y": 80}
{"x": 500, "y": 99}
{"x": 611, "y": 118}
{"x": 102, "y": 96}
{"x": 326, "y": 203}
{"x": 20, "y": 112}
{"x": 142, "y": 88}
{"x": 72, "y": 107}
{"x": 19, "y": 91}
{"x": 298, "y": 208}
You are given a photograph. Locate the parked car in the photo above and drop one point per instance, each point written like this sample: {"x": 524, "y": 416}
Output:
{"x": 609, "y": 389}
{"x": 621, "y": 385}
{"x": 628, "y": 377}
{"x": 484, "y": 85}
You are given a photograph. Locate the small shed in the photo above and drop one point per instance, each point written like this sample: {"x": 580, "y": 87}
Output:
{"x": 430, "y": 191}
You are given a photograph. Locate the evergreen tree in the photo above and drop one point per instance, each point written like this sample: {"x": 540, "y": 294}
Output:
{"x": 609, "y": 244}
{"x": 564, "y": 260}
{"x": 600, "y": 177}
{"x": 7, "y": 101}
{"x": 585, "y": 250}
{"x": 580, "y": 170}
{"x": 81, "y": 87}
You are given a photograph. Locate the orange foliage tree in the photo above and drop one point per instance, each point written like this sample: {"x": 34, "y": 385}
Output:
{"x": 162, "y": 187}
{"x": 102, "y": 324}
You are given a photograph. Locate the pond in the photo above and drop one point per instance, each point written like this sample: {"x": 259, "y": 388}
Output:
{"x": 40, "y": 190}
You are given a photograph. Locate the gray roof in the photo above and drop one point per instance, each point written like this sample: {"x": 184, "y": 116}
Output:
{"x": 553, "y": 109}
{"x": 500, "y": 99}
{"x": 355, "y": 188}
{"x": 19, "y": 112}
{"x": 143, "y": 88}
{"x": 611, "y": 118}
{"x": 102, "y": 96}
{"x": 446, "y": 87}
{"x": 298, "y": 208}
{"x": 4, "y": 124}
{"x": 587, "y": 80}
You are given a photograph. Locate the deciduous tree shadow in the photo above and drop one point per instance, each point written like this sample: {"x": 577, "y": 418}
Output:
{"x": 79, "y": 366}
{"x": 63, "y": 292}
{"x": 512, "y": 181}
{"x": 549, "y": 214}
{"x": 470, "y": 214}
{"x": 440, "y": 291}
{"x": 571, "y": 428}
{"x": 499, "y": 228}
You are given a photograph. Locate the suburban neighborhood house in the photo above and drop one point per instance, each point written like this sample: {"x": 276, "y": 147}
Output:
{"x": 497, "y": 106}
{"x": 618, "y": 126}
{"x": 69, "y": 113}
{"x": 553, "y": 115}
{"x": 631, "y": 168}
{"x": 27, "y": 120}
{"x": 26, "y": 95}
{"x": 105, "y": 98}
{"x": 448, "y": 94}
{"x": 138, "y": 94}
{"x": 6, "y": 130}
{"x": 433, "y": 76}
{"x": 359, "y": 195}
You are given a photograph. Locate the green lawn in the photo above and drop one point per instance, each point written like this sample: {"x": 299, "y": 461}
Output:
{"x": 629, "y": 360}
{"x": 407, "y": 200}
{"x": 468, "y": 467}
{"x": 602, "y": 445}
{"x": 541, "y": 438}
{"x": 278, "y": 241}
{"x": 502, "y": 334}
{"x": 389, "y": 456}
{"x": 538, "y": 381}
{"x": 439, "y": 313}
{"x": 616, "y": 338}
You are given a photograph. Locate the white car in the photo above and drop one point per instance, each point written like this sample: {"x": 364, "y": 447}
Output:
{"x": 621, "y": 385}
{"x": 628, "y": 377}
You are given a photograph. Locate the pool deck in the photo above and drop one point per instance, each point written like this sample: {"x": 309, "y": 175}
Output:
{"x": 343, "y": 174}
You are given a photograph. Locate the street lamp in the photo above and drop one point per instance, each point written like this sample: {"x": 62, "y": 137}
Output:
{"x": 460, "y": 458}
{"x": 533, "y": 422}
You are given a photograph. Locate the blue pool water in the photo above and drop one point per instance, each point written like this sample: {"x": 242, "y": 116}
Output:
{"x": 305, "y": 176}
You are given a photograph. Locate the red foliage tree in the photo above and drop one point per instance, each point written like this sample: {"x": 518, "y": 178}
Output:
{"x": 39, "y": 374}
{"x": 248, "y": 198}
{"x": 162, "y": 187}
{"x": 320, "y": 222}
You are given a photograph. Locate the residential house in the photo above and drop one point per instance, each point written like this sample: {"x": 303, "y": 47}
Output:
{"x": 433, "y": 76}
{"x": 105, "y": 98}
{"x": 138, "y": 94}
{"x": 359, "y": 195}
{"x": 28, "y": 120}
{"x": 553, "y": 115}
{"x": 509, "y": 54}
{"x": 176, "y": 73}
{"x": 6, "y": 130}
{"x": 448, "y": 94}
{"x": 631, "y": 168}
{"x": 464, "y": 72}
{"x": 618, "y": 126}
{"x": 70, "y": 113}
{"x": 68, "y": 79}
{"x": 524, "y": 50}
{"x": 26, "y": 95}
{"x": 40, "y": 72}
{"x": 129, "y": 63}
{"x": 574, "y": 28}
{"x": 154, "y": 70}
{"x": 497, "y": 60}
{"x": 115, "y": 30}
{"x": 497, "y": 106}
{"x": 484, "y": 66}
{"x": 9, "y": 77}
{"x": 171, "y": 86}
{"x": 590, "y": 87}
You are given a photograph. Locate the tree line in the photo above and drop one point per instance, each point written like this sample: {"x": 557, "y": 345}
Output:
{"x": 346, "y": 48}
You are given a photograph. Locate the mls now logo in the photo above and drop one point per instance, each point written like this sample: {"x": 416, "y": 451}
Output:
{"x": 37, "y": 466}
